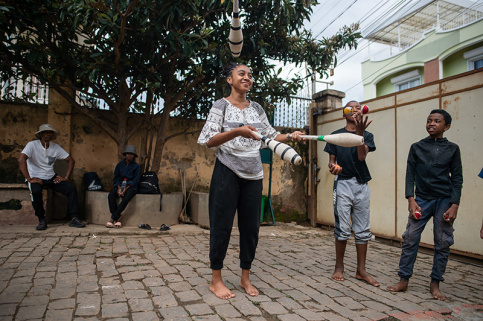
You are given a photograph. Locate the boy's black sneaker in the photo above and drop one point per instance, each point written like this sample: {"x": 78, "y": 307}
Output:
{"x": 42, "y": 225}
{"x": 76, "y": 223}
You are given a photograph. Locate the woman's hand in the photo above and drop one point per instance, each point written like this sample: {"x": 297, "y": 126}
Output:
{"x": 247, "y": 132}
{"x": 296, "y": 136}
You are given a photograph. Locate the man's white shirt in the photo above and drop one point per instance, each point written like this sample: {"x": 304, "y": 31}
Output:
{"x": 40, "y": 162}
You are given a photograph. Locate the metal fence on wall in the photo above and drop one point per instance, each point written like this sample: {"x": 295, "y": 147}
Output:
{"x": 28, "y": 90}
{"x": 291, "y": 114}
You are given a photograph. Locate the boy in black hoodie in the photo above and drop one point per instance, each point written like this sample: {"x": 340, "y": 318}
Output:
{"x": 434, "y": 167}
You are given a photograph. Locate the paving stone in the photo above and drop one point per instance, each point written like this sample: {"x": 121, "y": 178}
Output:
{"x": 349, "y": 302}
{"x": 165, "y": 301}
{"x": 35, "y": 300}
{"x": 145, "y": 316}
{"x": 132, "y": 276}
{"x": 188, "y": 296}
{"x": 245, "y": 307}
{"x": 136, "y": 294}
{"x": 211, "y": 317}
{"x": 133, "y": 285}
{"x": 11, "y": 297}
{"x": 63, "y": 292}
{"x": 310, "y": 315}
{"x": 114, "y": 310}
{"x": 154, "y": 281}
{"x": 59, "y": 315}
{"x": 62, "y": 304}
{"x": 140, "y": 305}
{"x": 88, "y": 304}
{"x": 290, "y": 317}
{"x": 198, "y": 309}
{"x": 174, "y": 313}
{"x": 227, "y": 311}
{"x": 273, "y": 308}
{"x": 31, "y": 312}
{"x": 7, "y": 309}
{"x": 289, "y": 303}
{"x": 180, "y": 286}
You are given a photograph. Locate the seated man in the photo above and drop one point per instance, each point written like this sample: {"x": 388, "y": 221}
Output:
{"x": 36, "y": 163}
{"x": 129, "y": 171}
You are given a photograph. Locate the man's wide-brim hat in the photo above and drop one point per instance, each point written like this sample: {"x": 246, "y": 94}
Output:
{"x": 44, "y": 128}
{"x": 130, "y": 149}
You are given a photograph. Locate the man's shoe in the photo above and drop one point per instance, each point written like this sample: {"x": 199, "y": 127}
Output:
{"x": 76, "y": 223}
{"x": 42, "y": 225}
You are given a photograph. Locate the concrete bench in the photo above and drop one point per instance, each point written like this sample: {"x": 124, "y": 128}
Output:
{"x": 143, "y": 208}
{"x": 198, "y": 210}
{"x": 55, "y": 205}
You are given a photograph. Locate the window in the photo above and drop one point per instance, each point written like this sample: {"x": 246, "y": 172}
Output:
{"x": 478, "y": 64}
{"x": 405, "y": 81}
{"x": 474, "y": 58}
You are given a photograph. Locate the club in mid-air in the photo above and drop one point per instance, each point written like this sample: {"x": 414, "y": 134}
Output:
{"x": 236, "y": 36}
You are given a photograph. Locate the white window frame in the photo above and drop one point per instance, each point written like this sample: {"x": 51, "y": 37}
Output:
{"x": 472, "y": 56}
{"x": 405, "y": 78}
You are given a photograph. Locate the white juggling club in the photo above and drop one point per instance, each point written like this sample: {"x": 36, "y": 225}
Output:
{"x": 236, "y": 36}
{"x": 282, "y": 150}
{"x": 343, "y": 139}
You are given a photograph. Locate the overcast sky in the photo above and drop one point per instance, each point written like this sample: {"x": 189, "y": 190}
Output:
{"x": 329, "y": 16}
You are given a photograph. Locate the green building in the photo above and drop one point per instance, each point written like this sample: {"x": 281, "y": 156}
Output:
{"x": 425, "y": 42}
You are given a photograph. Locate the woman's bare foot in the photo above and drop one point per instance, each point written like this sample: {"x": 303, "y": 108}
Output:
{"x": 249, "y": 288}
{"x": 401, "y": 286}
{"x": 338, "y": 274}
{"x": 436, "y": 292}
{"x": 364, "y": 276}
{"x": 220, "y": 290}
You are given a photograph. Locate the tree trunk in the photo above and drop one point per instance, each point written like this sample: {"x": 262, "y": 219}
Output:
{"x": 144, "y": 151}
{"x": 161, "y": 139}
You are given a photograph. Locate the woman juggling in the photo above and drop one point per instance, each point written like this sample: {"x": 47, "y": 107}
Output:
{"x": 236, "y": 183}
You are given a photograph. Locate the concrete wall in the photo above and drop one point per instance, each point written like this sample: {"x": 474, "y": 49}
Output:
{"x": 93, "y": 150}
{"x": 398, "y": 121}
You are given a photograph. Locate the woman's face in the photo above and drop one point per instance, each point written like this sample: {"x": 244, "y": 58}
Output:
{"x": 241, "y": 79}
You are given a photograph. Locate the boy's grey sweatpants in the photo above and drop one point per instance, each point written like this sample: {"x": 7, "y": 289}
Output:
{"x": 352, "y": 203}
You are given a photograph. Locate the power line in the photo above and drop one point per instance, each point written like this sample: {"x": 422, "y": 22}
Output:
{"x": 336, "y": 18}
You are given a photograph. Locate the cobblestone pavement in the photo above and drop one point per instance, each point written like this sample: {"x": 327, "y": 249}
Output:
{"x": 132, "y": 274}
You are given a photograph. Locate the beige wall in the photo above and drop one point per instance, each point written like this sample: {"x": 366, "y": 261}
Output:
{"x": 398, "y": 121}
{"x": 93, "y": 150}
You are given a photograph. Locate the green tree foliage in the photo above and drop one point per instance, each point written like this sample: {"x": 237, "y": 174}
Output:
{"x": 116, "y": 50}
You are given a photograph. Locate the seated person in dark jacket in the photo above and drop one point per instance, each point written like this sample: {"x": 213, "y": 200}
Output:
{"x": 127, "y": 170}
{"x": 434, "y": 169}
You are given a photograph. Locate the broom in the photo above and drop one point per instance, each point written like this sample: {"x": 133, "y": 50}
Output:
{"x": 183, "y": 218}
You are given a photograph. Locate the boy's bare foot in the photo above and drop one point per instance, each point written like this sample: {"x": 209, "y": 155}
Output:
{"x": 435, "y": 292}
{"x": 249, "y": 288}
{"x": 401, "y": 286}
{"x": 220, "y": 290}
{"x": 364, "y": 276}
{"x": 338, "y": 274}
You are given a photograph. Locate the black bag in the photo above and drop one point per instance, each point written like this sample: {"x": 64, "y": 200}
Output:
{"x": 148, "y": 184}
{"x": 92, "y": 182}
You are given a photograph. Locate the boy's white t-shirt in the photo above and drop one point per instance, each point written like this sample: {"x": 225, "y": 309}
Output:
{"x": 40, "y": 162}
